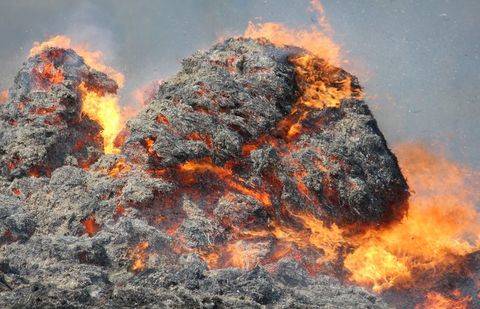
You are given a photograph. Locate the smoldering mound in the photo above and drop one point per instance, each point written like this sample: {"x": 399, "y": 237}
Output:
{"x": 247, "y": 140}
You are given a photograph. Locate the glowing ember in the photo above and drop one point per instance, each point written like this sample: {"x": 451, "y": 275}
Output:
{"x": 139, "y": 256}
{"x": 440, "y": 228}
{"x": 315, "y": 93}
{"x": 191, "y": 168}
{"x": 90, "y": 225}
{"x": 3, "y": 96}
{"x": 121, "y": 166}
{"x": 46, "y": 74}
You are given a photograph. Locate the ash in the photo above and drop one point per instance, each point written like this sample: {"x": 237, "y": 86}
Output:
{"x": 225, "y": 151}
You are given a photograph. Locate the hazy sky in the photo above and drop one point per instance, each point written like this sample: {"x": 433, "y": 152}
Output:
{"x": 418, "y": 60}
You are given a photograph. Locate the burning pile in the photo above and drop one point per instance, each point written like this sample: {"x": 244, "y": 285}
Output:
{"x": 253, "y": 176}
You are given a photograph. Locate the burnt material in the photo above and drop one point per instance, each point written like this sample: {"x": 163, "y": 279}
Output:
{"x": 250, "y": 112}
{"x": 247, "y": 137}
{"x": 41, "y": 125}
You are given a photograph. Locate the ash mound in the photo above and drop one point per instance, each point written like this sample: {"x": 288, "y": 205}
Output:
{"x": 247, "y": 141}
{"x": 41, "y": 127}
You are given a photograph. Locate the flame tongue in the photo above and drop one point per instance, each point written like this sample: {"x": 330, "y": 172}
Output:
{"x": 105, "y": 111}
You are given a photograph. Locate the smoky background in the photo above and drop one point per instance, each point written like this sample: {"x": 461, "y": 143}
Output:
{"x": 419, "y": 61}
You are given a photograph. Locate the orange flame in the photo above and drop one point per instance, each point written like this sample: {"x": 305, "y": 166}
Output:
{"x": 3, "y": 96}
{"x": 105, "y": 111}
{"x": 93, "y": 59}
{"x": 119, "y": 168}
{"x": 441, "y": 225}
{"x": 316, "y": 40}
{"x": 102, "y": 108}
{"x": 440, "y": 229}
{"x": 191, "y": 168}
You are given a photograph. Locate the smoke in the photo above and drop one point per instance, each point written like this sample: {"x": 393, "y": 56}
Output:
{"x": 418, "y": 60}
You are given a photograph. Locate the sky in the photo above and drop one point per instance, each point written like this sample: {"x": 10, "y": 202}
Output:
{"x": 419, "y": 61}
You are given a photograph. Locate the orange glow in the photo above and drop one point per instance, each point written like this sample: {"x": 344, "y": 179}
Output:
{"x": 105, "y": 111}
{"x": 16, "y": 191}
{"x": 93, "y": 59}
{"x": 47, "y": 71}
{"x": 139, "y": 256}
{"x": 195, "y": 136}
{"x": 100, "y": 107}
{"x": 243, "y": 255}
{"x": 312, "y": 40}
{"x": 3, "y": 96}
{"x": 120, "y": 167}
{"x": 191, "y": 168}
{"x": 119, "y": 210}
{"x": 438, "y": 301}
{"x": 90, "y": 225}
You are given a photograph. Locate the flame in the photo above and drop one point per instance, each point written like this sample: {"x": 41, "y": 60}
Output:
{"x": 105, "y": 111}
{"x": 3, "y": 96}
{"x": 120, "y": 167}
{"x": 46, "y": 71}
{"x": 317, "y": 40}
{"x": 139, "y": 256}
{"x": 436, "y": 300}
{"x": 440, "y": 229}
{"x": 93, "y": 59}
{"x": 441, "y": 225}
{"x": 315, "y": 92}
{"x": 102, "y": 108}
{"x": 190, "y": 169}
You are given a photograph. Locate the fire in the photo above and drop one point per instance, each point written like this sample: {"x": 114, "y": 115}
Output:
{"x": 139, "y": 256}
{"x": 119, "y": 168}
{"x": 440, "y": 227}
{"x": 46, "y": 74}
{"x": 316, "y": 40}
{"x": 105, "y": 111}
{"x": 90, "y": 225}
{"x": 3, "y": 96}
{"x": 435, "y": 300}
{"x": 315, "y": 93}
{"x": 100, "y": 107}
{"x": 93, "y": 59}
{"x": 190, "y": 169}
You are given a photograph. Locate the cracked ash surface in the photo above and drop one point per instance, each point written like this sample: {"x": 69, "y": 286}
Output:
{"x": 209, "y": 160}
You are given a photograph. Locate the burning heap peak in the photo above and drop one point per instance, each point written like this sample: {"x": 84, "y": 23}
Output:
{"x": 43, "y": 124}
{"x": 278, "y": 125}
